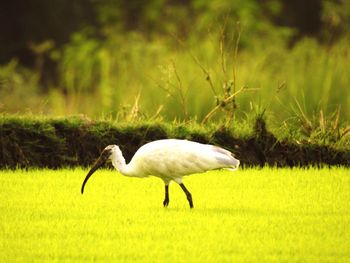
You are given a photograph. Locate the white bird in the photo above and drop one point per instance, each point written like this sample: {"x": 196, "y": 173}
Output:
{"x": 168, "y": 159}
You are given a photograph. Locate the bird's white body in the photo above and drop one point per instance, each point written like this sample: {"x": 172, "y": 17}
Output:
{"x": 168, "y": 159}
{"x": 171, "y": 159}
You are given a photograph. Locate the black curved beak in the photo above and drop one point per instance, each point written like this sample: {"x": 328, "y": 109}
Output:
{"x": 100, "y": 161}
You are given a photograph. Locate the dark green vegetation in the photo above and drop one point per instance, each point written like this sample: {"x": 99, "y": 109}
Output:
{"x": 137, "y": 60}
{"x": 54, "y": 143}
{"x": 211, "y": 71}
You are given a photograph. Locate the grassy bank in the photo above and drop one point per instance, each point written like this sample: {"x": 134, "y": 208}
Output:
{"x": 61, "y": 142}
{"x": 265, "y": 215}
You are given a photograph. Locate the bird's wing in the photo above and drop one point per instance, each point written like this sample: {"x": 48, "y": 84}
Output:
{"x": 178, "y": 157}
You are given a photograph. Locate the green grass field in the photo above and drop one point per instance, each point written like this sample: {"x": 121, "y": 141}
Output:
{"x": 267, "y": 215}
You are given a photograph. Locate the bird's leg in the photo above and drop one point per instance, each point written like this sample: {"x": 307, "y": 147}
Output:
{"x": 166, "y": 200}
{"x": 188, "y": 195}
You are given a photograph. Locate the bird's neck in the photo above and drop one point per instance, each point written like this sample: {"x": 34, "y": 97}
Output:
{"x": 119, "y": 163}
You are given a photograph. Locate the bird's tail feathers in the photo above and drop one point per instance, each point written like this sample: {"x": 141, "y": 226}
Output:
{"x": 232, "y": 169}
{"x": 235, "y": 167}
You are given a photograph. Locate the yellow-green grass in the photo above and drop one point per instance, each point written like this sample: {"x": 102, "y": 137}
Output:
{"x": 252, "y": 215}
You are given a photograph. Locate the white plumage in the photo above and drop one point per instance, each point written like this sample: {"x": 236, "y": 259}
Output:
{"x": 168, "y": 159}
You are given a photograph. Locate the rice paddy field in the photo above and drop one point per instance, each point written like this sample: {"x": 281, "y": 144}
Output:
{"x": 252, "y": 215}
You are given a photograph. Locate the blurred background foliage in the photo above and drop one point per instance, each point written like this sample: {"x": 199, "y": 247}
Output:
{"x": 178, "y": 59}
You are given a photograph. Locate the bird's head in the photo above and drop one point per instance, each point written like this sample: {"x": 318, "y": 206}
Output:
{"x": 106, "y": 155}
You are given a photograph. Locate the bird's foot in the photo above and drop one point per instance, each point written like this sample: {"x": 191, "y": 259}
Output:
{"x": 191, "y": 203}
{"x": 166, "y": 202}
{"x": 189, "y": 199}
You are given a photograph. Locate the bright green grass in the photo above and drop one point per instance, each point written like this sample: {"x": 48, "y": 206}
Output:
{"x": 268, "y": 215}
